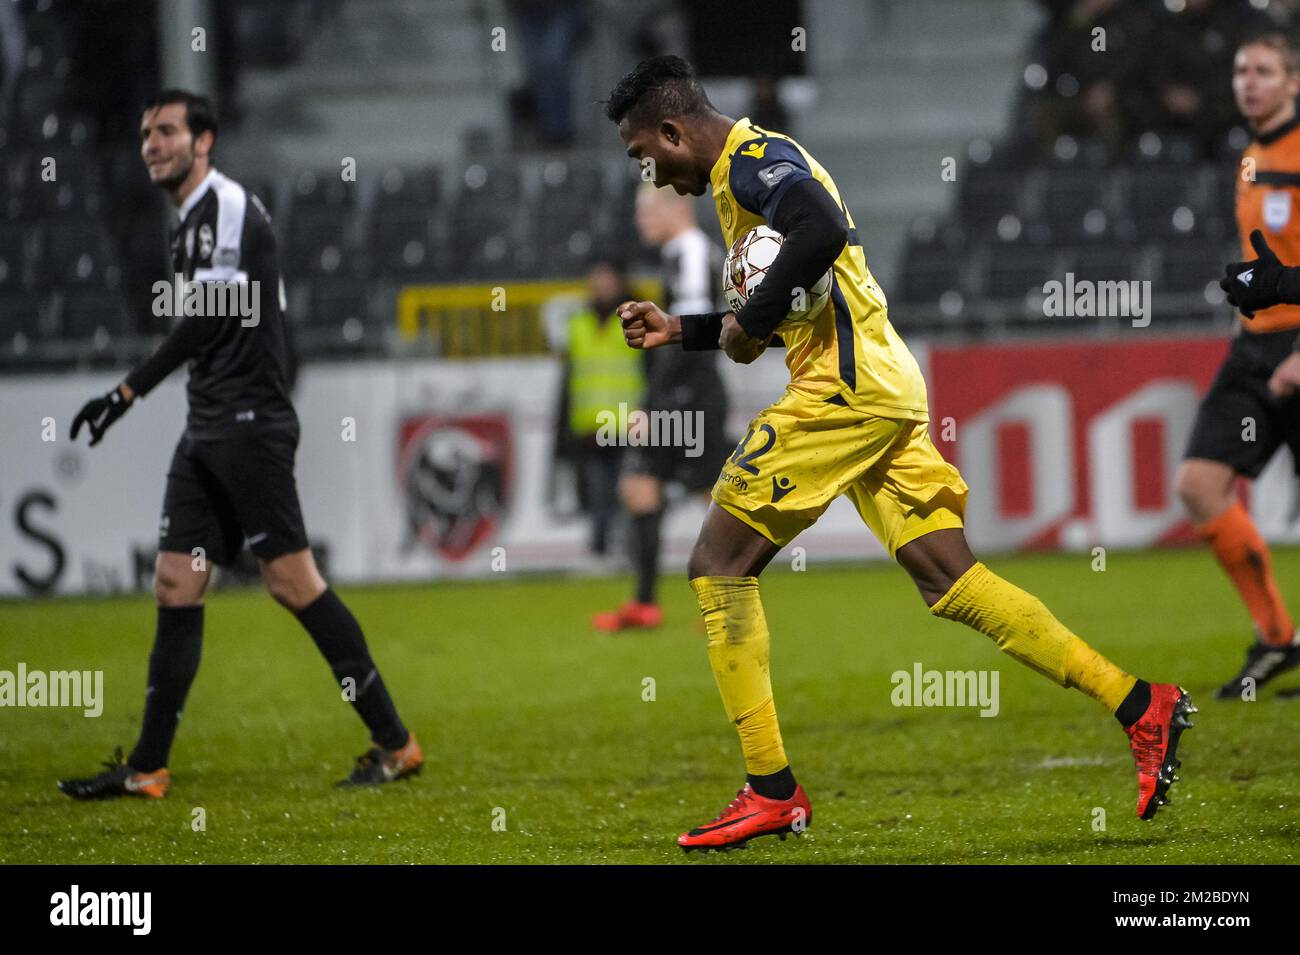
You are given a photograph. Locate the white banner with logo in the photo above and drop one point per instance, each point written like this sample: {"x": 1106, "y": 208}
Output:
{"x": 406, "y": 470}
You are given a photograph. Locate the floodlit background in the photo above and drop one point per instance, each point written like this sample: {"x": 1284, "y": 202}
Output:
{"x": 417, "y": 156}
{"x": 426, "y": 159}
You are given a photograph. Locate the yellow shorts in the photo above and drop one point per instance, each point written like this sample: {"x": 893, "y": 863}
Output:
{"x": 803, "y": 452}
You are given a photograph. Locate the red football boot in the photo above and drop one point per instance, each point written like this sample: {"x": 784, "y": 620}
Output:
{"x": 751, "y": 815}
{"x": 1154, "y": 741}
{"x": 631, "y": 616}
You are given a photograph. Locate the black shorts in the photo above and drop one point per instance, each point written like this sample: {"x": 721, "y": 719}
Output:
{"x": 1240, "y": 423}
{"x": 222, "y": 494}
{"x": 671, "y": 463}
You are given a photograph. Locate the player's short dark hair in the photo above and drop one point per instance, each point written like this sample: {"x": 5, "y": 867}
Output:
{"x": 200, "y": 117}
{"x": 658, "y": 88}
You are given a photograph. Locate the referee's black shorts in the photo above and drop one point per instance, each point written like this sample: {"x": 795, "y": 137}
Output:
{"x": 225, "y": 493}
{"x": 1240, "y": 423}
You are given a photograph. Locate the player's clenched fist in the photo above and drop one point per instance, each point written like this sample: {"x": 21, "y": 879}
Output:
{"x": 646, "y": 325}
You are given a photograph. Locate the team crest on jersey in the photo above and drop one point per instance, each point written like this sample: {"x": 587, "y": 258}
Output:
{"x": 1277, "y": 210}
{"x": 205, "y": 241}
{"x": 455, "y": 475}
{"x": 725, "y": 213}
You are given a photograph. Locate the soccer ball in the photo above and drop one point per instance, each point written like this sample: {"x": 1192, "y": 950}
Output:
{"x": 748, "y": 260}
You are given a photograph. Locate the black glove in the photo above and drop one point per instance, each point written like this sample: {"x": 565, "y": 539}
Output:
{"x": 99, "y": 413}
{"x": 1260, "y": 283}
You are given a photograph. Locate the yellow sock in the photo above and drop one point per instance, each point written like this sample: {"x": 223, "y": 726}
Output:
{"x": 739, "y": 651}
{"x": 1026, "y": 629}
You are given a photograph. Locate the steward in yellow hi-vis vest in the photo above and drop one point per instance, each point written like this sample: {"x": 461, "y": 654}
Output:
{"x": 854, "y": 422}
{"x": 603, "y": 372}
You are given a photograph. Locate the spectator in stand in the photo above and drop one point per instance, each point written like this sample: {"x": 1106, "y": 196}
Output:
{"x": 766, "y": 109}
{"x": 552, "y": 31}
{"x": 1198, "y": 41}
{"x": 1086, "y": 69}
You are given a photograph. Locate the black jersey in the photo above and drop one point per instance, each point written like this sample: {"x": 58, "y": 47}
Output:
{"x": 676, "y": 378}
{"x": 231, "y": 306}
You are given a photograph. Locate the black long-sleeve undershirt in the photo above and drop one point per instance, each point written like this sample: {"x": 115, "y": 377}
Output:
{"x": 814, "y": 230}
{"x": 184, "y": 342}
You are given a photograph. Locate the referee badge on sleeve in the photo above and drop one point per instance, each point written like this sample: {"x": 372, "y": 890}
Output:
{"x": 1277, "y": 210}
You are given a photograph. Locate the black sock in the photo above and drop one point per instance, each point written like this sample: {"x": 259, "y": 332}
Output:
{"x": 778, "y": 785}
{"x": 645, "y": 553}
{"x": 177, "y": 645}
{"x": 1135, "y": 704}
{"x": 339, "y": 638}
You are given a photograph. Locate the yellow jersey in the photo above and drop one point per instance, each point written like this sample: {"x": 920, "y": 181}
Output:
{"x": 848, "y": 349}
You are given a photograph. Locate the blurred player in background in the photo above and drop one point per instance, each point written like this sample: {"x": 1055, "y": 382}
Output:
{"x": 231, "y": 480}
{"x": 854, "y": 422}
{"x": 676, "y": 380}
{"x": 1241, "y": 423}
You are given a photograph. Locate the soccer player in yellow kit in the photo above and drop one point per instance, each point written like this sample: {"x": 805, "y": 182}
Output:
{"x": 852, "y": 421}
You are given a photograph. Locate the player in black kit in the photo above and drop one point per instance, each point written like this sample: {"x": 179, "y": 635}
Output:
{"x": 677, "y": 381}
{"x": 231, "y": 479}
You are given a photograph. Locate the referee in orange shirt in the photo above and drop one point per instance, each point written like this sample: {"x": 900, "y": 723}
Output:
{"x": 1251, "y": 408}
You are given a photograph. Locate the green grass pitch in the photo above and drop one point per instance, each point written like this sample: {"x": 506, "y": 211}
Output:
{"x": 522, "y": 708}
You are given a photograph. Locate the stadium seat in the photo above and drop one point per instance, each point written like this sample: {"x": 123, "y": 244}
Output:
{"x": 1190, "y": 267}
{"x": 1069, "y": 194}
{"x": 488, "y": 200}
{"x": 988, "y": 192}
{"x": 1107, "y": 262}
{"x": 74, "y": 253}
{"x": 318, "y": 240}
{"x": 1151, "y": 196}
{"x": 70, "y": 194}
{"x": 928, "y": 272}
{"x": 92, "y": 313}
{"x": 402, "y": 187}
{"x": 338, "y": 317}
{"x": 1013, "y": 273}
{"x": 14, "y": 256}
{"x": 315, "y": 189}
{"x": 330, "y": 303}
{"x": 401, "y": 242}
{"x": 22, "y": 313}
